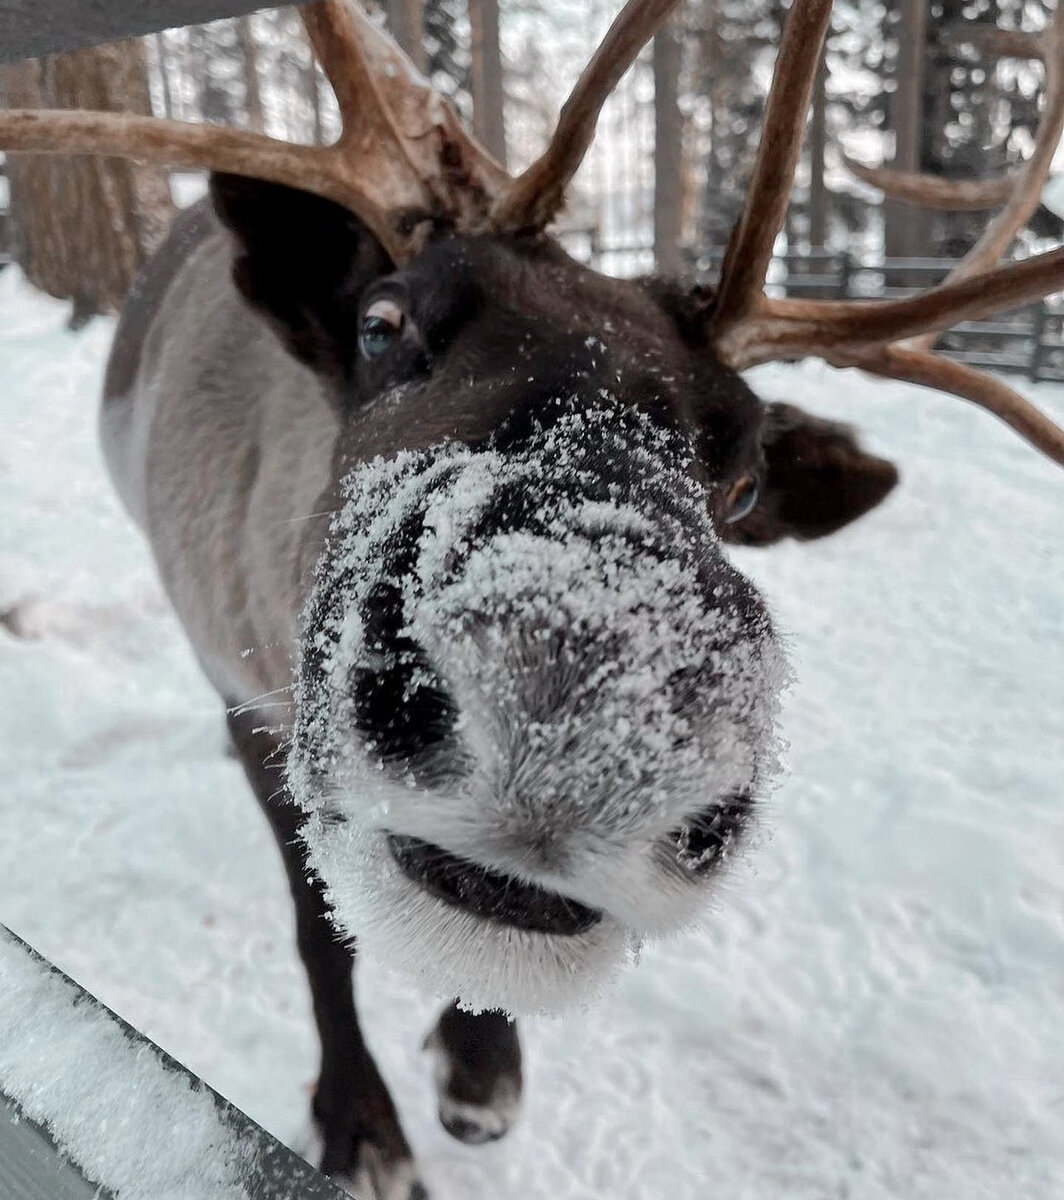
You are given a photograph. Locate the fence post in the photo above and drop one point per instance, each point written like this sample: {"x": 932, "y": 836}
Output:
{"x": 1034, "y": 369}
{"x": 595, "y": 248}
{"x": 845, "y": 273}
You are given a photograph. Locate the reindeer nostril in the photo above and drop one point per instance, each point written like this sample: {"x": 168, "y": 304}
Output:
{"x": 702, "y": 842}
{"x": 399, "y": 702}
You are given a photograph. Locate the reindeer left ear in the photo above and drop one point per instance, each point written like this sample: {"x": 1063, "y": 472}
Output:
{"x": 302, "y": 263}
{"x": 816, "y": 480}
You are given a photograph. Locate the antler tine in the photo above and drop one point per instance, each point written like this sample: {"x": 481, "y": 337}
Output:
{"x": 152, "y": 139}
{"x": 834, "y": 329}
{"x": 1027, "y": 192}
{"x": 931, "y": 191}
{"x": 535, "y": 197}
{"x": 399, "y": 137}
{"x": 1005, "y": 43}
{"x": 334, "y": 28}
{"x": 750, "y": 249}
{"x": 945, "y": 375}
{"x": 402, "y": 164}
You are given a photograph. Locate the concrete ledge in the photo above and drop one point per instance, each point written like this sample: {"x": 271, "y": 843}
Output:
{"x": 32, "y": 27}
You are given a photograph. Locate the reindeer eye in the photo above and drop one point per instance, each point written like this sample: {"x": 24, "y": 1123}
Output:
{"x": 741, "y": 498}
{"x": 382, "y": 324}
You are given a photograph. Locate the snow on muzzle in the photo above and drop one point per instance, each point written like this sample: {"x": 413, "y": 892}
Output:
{"x": 534, "y": 705}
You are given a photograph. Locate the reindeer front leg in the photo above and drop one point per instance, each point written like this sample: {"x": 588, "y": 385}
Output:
{"x": 477, "y": 1066}
{"x": 364, "y": 1145}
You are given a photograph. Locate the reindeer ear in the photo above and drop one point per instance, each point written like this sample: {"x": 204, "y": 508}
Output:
{"x": 816, "y": 480}
{"x": 302, "y": 262}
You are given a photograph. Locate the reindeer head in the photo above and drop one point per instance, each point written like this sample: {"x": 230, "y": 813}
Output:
{"x": 535, "y": 701}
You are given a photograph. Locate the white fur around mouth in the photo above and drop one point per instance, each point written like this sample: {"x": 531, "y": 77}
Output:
{"x": 449, "y": 951}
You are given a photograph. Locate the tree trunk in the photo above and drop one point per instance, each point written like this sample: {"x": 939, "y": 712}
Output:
{"x": 84, "y": 225}
{"x": 312, "y": 88}
{"x": 489, "y": 122}
{"x": 668, "y": 151}
{"x": 406, "y": 23}
{"x": 818, "y": 193}
{"x": 906, "y": 227}
{"x": 249, "y": 60}
{"x": 162, "y": 59}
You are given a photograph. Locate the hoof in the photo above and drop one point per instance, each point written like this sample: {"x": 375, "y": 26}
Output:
{"x": 374, "y": 1179}
{"x": 473, "y": 1124}
{"x": 476, "y": 1065}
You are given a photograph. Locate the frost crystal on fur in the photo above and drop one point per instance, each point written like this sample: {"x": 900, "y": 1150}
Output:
{"x": 604, "y": 684}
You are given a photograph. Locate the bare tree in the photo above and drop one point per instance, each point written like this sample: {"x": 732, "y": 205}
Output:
{"x": 163, "y": 65}
{"x": 312, "y": 91}
{"x": 489, "y": 123}
{"x": 818, "y": 138}
{"x": 253, "y": 110}
{"x": 406, "y": 21}
{"x": 83, "y": 226}
{"x": 668, "y": 150}
{"x": 906, "y": 230}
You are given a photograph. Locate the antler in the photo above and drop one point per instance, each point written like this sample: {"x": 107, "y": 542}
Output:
{"x": 931, "y": 191}
{"x": 402, "y": 163}
{"x": 746, "y": 328}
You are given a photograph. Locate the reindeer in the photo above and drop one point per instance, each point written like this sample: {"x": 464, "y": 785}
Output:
{"x": 442, "y": 513}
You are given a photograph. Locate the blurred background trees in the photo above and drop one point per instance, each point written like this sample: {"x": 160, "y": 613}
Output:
{"x": 82, "y": 227}
{"x": 903, "y": 82}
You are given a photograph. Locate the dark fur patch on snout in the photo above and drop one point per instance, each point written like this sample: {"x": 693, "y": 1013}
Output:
{"x": 489, "y": 894}
{"x": 400, "y": 704}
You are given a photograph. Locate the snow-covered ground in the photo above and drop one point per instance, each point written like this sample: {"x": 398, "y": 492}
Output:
{"x": 873, "y": 1011}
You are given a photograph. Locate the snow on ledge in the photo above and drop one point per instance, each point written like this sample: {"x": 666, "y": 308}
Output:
{"x": 128, "y": 1116}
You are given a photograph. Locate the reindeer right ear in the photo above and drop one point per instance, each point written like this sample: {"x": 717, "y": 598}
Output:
{"x": 302, "y": 262}
{"x": 817, "y": 478}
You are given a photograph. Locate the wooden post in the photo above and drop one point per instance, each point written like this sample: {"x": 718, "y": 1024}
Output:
{"x": 56, "y": 1112}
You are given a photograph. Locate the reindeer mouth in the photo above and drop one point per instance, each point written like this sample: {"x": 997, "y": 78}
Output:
{"x": 490, "y": 895}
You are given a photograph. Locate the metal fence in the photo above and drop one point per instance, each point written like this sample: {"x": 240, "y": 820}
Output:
{"x": 1027, "y": 341}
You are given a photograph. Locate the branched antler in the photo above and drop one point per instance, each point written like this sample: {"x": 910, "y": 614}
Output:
{"x": 403, "y": 163}
{"x": 891, "y": 338}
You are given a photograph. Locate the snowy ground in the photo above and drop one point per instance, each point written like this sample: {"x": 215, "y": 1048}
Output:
{"x": 874, "y": 1010}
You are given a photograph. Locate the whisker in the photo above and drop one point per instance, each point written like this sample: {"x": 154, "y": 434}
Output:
{"x": 246, "y": 705}
{"x": 309, "y": 517}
